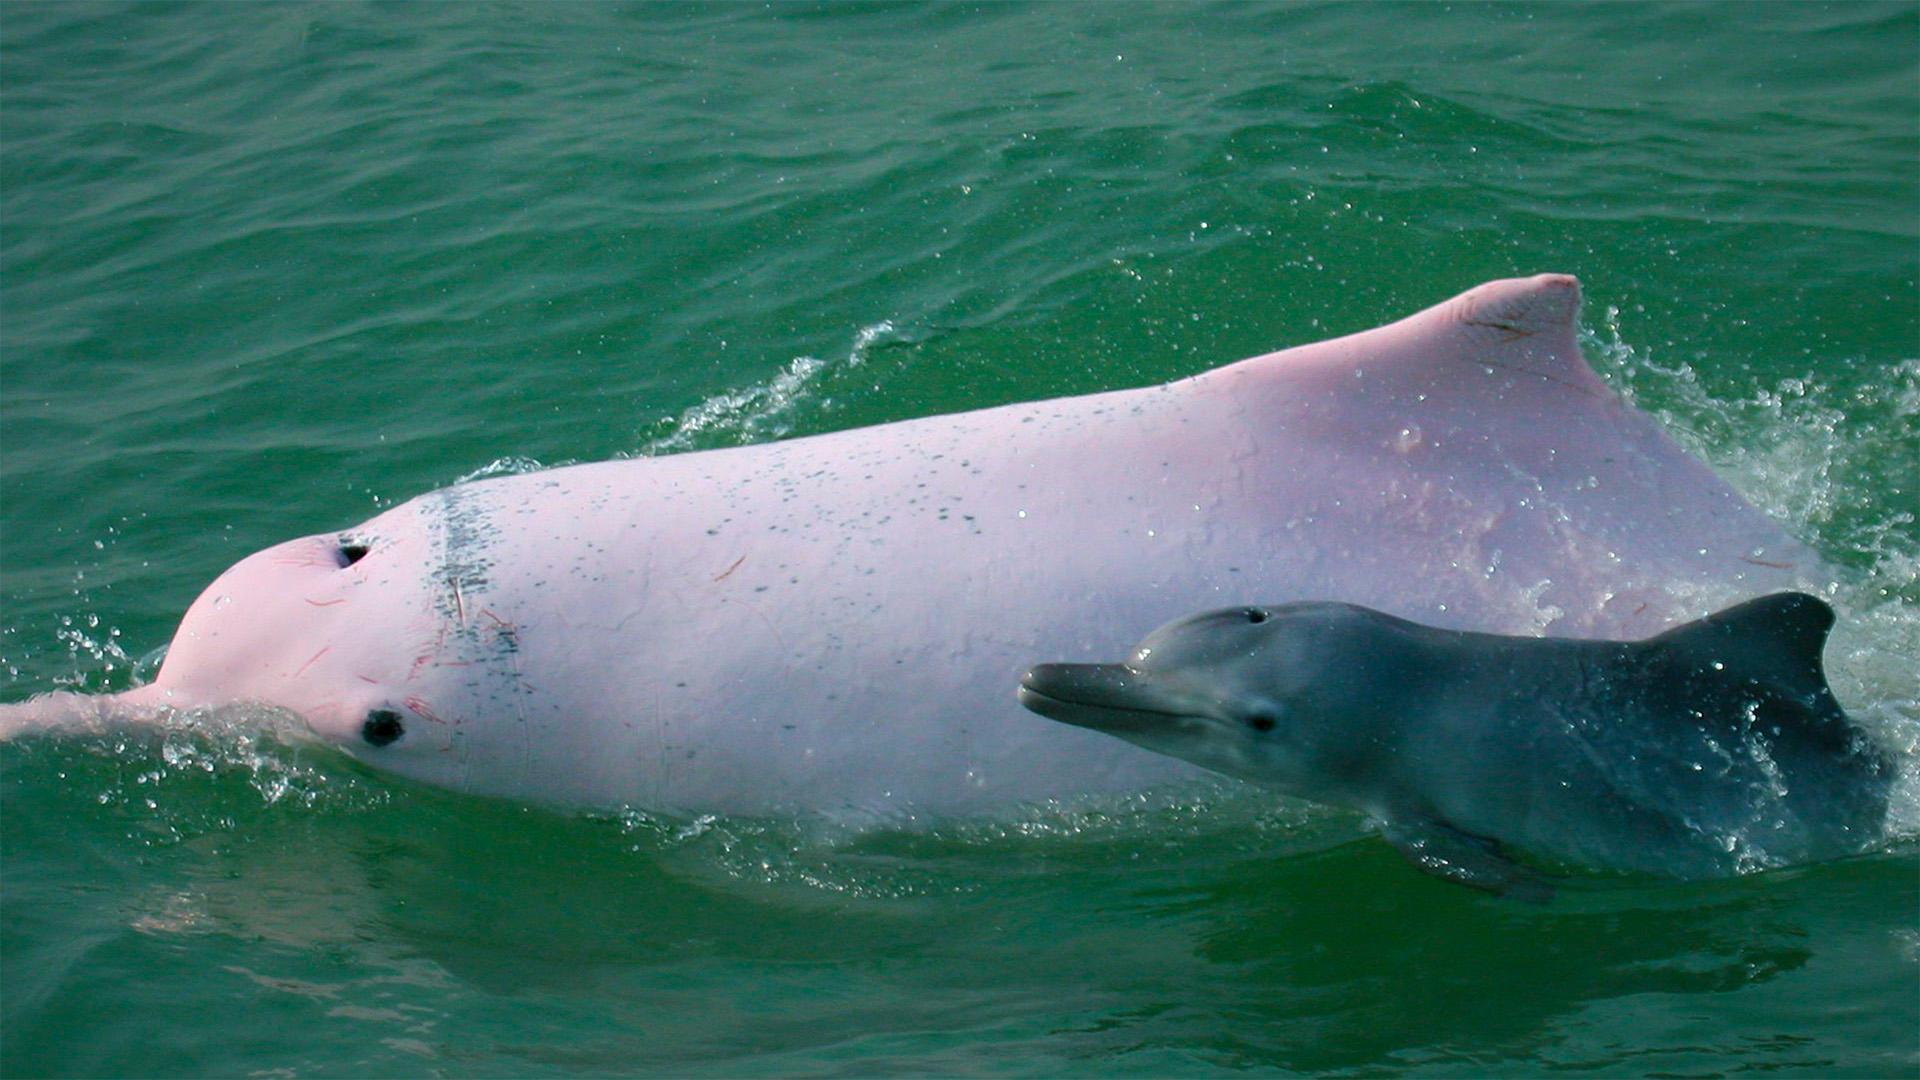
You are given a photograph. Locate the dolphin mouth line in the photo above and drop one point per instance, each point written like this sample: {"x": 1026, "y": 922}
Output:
{"x": 1094, "y": 717}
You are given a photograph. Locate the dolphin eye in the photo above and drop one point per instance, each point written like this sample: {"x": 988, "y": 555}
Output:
{"x": 1261, "y": 721}
{"x": 1255, "y": 615}
{"x": 382, "y": 727}
{"x": 350, "y": 554}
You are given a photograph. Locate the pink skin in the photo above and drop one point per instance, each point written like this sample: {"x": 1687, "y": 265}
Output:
{"x": 839, "y": 622}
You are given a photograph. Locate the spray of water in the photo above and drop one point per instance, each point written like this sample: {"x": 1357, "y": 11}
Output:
{"x": 768, "y": 410}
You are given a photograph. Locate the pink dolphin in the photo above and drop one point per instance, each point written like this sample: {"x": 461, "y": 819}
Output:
{"x": 840, "y": 622}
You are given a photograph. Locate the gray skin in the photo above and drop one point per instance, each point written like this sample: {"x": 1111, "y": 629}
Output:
{"x": 1712, "y": 749}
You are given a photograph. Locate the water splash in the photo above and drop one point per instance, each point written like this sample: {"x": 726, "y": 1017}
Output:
{"x": 512, "y": 465}
{"x": 767, "y": 410}
{"x": 96, "y": 650}
{"x": 898, "y": 856}
{"x": 182, "y": 775}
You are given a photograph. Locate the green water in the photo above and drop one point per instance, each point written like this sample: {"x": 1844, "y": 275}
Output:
{"x": 266, "y": 269}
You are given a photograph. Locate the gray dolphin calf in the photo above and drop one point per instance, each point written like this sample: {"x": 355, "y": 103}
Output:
{"x": 1711, "y": 749}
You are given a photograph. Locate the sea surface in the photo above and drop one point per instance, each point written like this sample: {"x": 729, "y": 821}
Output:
{"x": 266, "y": 269}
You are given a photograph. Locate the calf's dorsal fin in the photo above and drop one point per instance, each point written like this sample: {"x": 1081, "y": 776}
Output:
{"x": 1776, "y": 639}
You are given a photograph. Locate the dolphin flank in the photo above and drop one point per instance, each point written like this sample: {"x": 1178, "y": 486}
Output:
{"x": 1708, "y": 750}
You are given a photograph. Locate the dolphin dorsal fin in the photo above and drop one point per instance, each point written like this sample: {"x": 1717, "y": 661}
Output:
{"x": 1776, "y": 639}
{"x": 1463, "y": 348}
{"x": 1521, "y": 307}
{"x": 1524, "y": 325}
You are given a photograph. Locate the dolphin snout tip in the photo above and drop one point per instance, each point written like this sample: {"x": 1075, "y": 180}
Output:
{"x": 1036, "y": 676}
{"x": 1041, "y": 692}
{"x": 1029, "y": 692}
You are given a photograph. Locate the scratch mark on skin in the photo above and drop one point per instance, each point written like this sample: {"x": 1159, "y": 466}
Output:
{"x": 426, "y": 656}
{"x": 722, "y": 575}
{"x": 310, "y": 660}
{"x": 1763, "y": 562}
{"x": 327, "y": 603}
{"x": 421, "y": 707}
{"x": 1509, "y": 331}
{"x": 459, "y": 602}
{"x": 365, "y": 679}
{"x": 306, "y": 558}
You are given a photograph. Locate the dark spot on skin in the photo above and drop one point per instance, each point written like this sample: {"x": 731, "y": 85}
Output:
{"x": 1255, "y": 615}
{"x": 382, "y": 727}
{"x": 350, "y": 554}
{"x": 1261, "y": 722}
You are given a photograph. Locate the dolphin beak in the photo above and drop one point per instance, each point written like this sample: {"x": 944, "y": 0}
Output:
{"x": 1105, "y": 697}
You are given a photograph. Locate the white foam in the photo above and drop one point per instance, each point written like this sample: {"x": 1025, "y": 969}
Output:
{"x": 512, "y": 465}
{"x": 763, "y": 411}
